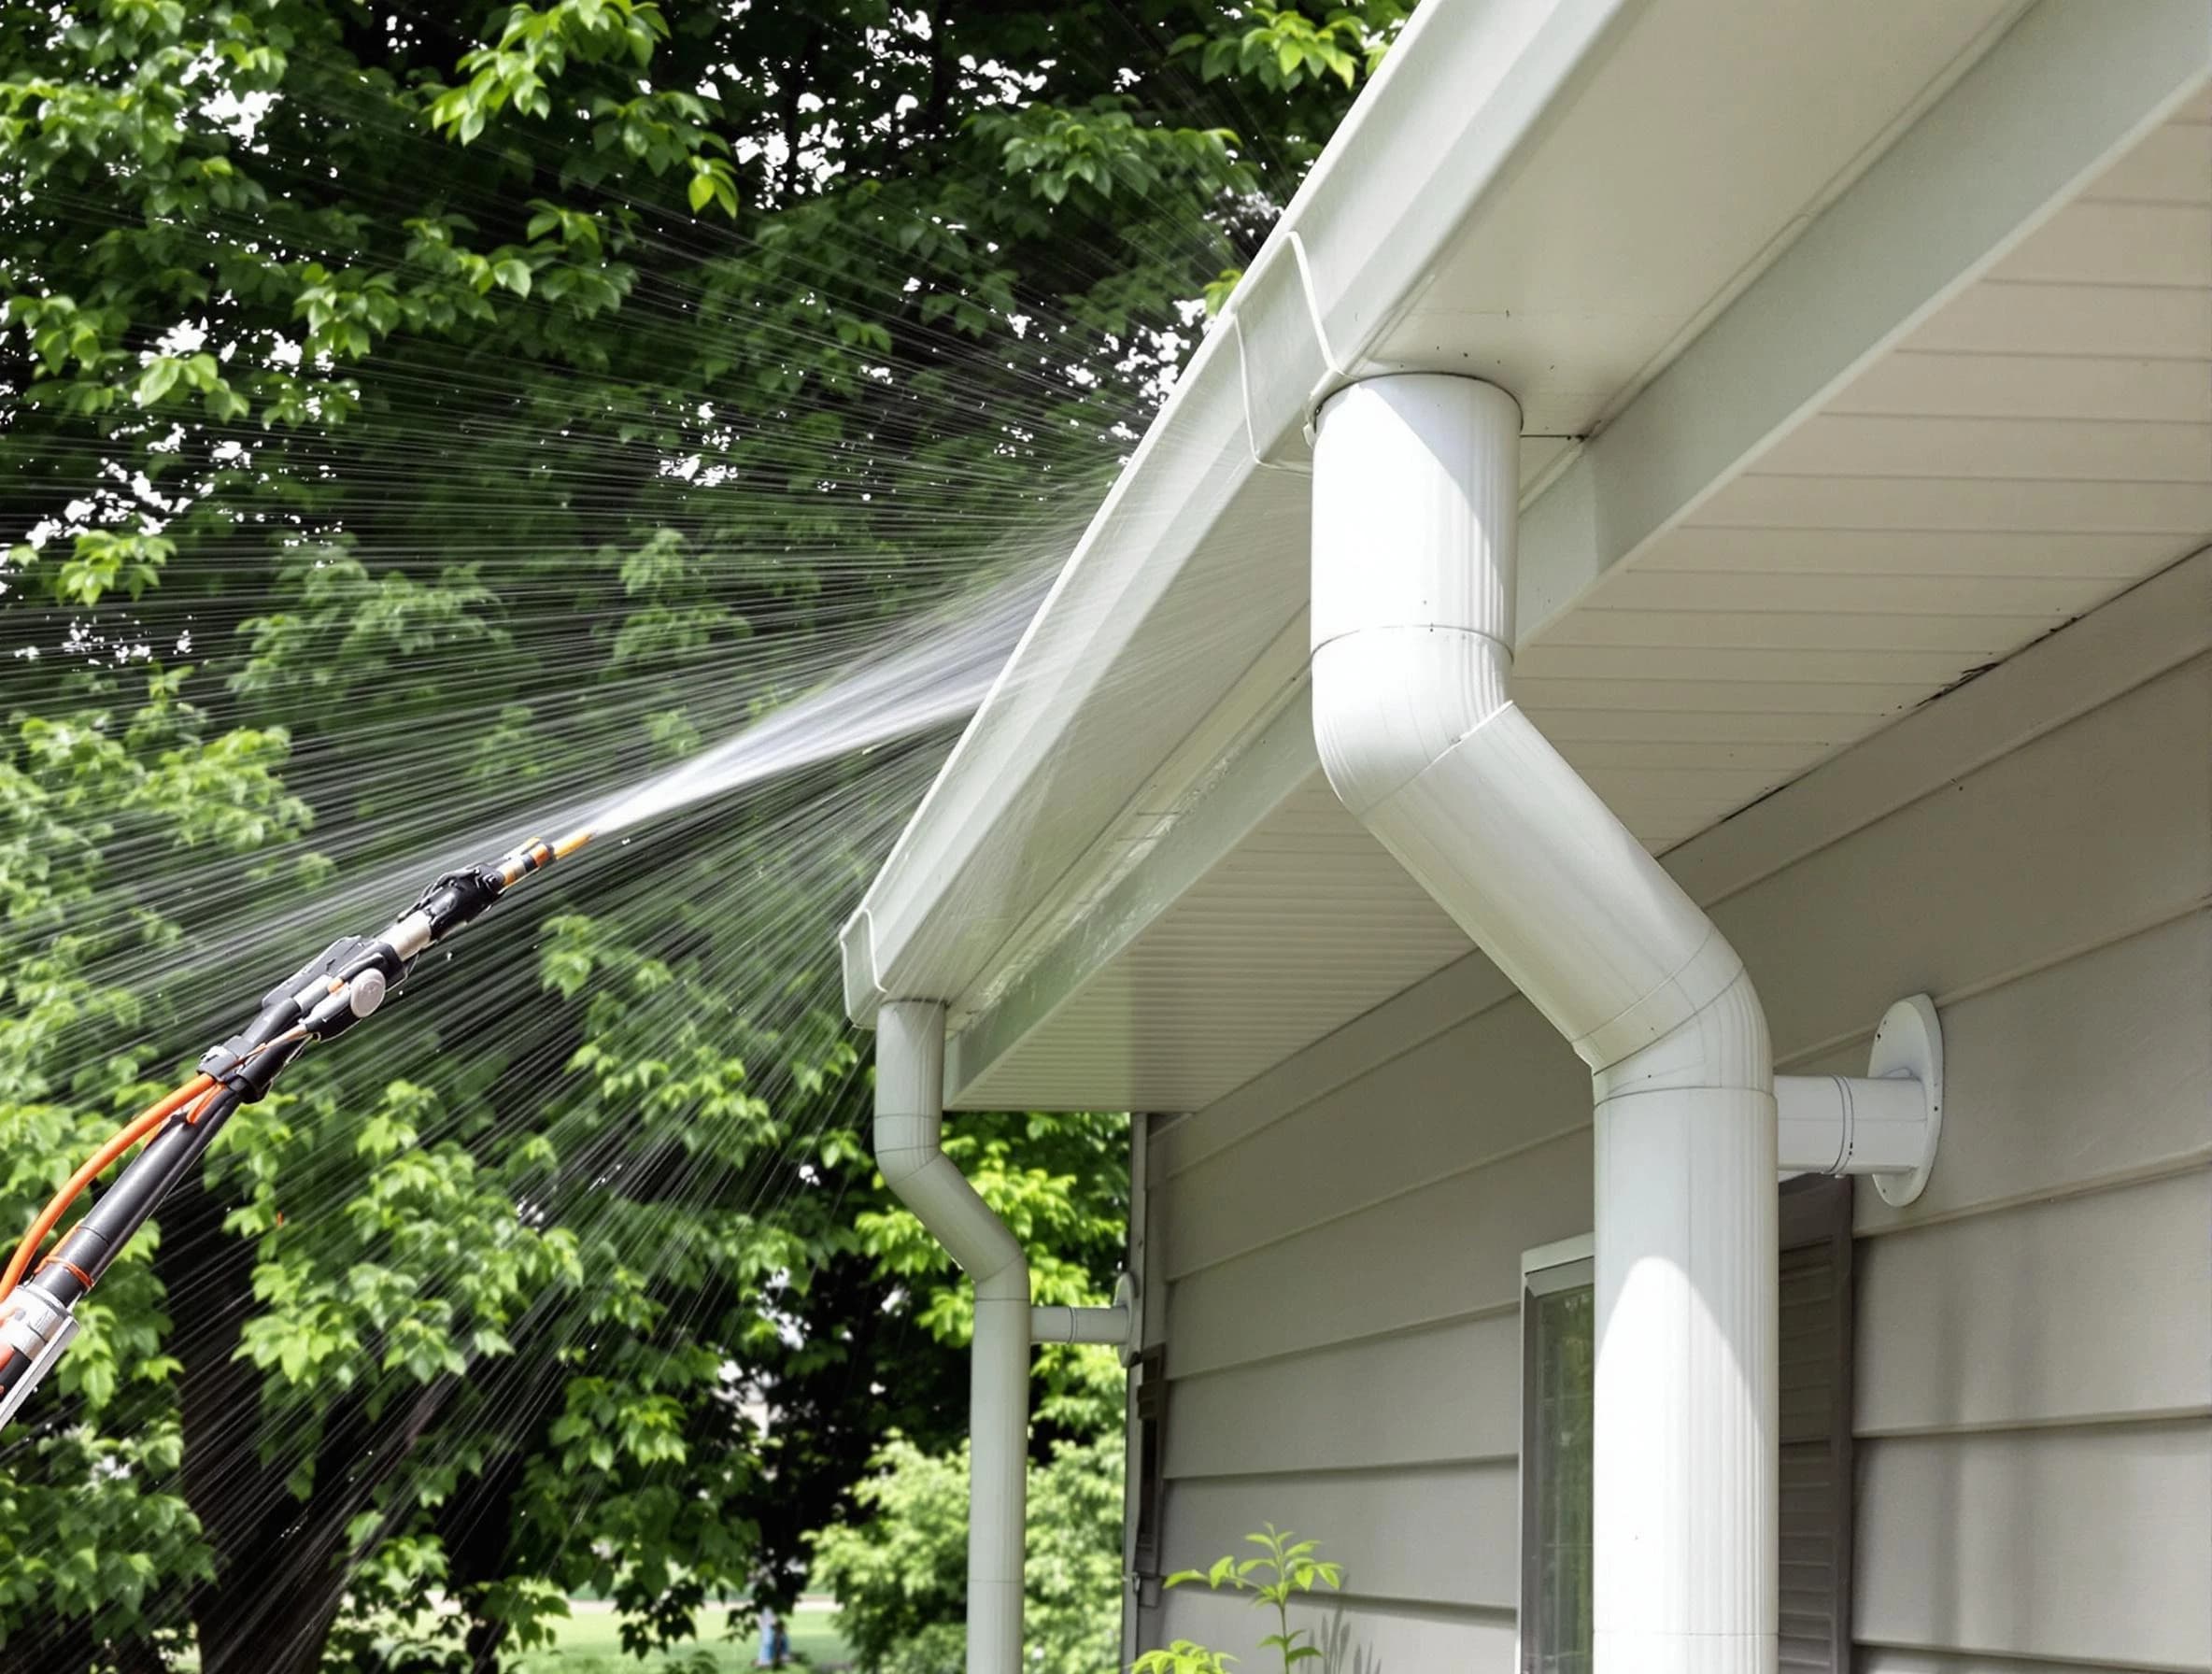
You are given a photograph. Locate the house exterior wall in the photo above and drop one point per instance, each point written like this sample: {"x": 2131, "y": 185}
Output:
{"x": 1333, "y": 1259}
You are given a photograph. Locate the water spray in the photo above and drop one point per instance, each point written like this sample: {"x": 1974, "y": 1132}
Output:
{"x": 344, "y": 983}
{"x": 925, "y": 678}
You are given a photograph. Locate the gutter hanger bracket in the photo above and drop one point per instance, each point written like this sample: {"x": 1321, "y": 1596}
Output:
{"x": 1259, "y": 461}
{"x": 1285, "y": 363}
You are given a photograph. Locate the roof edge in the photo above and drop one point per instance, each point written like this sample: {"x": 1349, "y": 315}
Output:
{"x": 1461, "y": 91}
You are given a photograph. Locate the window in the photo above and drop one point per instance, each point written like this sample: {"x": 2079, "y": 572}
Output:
{"x": 1558, "y": 1358}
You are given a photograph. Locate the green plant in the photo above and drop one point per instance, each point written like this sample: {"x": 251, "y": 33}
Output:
{"x": 1183, "y": 1657}
{"x": 1286, "y": 1567}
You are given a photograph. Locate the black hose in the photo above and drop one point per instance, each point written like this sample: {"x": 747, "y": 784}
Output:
{"x": 324, "y": 997}
{"x": 85, "y": 1254}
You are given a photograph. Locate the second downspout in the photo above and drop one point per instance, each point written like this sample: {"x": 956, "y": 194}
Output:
{"x": 908, "y": 1130}
{"x": 1415, "y": 485}
{"x": 909, "y": 1151}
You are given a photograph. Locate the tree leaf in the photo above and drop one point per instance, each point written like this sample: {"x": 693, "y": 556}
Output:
{"x": 158, "y": 378}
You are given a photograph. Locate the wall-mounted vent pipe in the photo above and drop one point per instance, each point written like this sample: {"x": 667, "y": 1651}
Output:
{"x": 1885, "y": 1123}
{"x": 1415, "y": 480}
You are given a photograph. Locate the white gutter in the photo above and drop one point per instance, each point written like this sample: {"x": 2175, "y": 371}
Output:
{"x": 1579, "y": 200}
{"x": 1412, "y": 628}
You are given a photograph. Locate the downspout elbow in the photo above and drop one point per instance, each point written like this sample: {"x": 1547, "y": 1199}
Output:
{"x": 909, "y": 1152}
{"x": 1415, "y": 498}
{"x": 1391, "y": 700}
{"x": 1410, "y": 655}
{"x": 922, "y": 1177}
{"x": 1414, "y": 511}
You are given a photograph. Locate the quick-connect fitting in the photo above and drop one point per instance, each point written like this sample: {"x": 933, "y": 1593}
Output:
{"x": 460, "y": 897}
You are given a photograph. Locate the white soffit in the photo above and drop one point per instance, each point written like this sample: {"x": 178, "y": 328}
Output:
{"x": 2039, "y": 444}
{"x": 2033, "y": 442}
{"x": 1629, "y": 187}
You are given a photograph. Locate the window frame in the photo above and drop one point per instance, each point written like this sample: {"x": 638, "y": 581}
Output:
{"x": 1813, "y": 1213}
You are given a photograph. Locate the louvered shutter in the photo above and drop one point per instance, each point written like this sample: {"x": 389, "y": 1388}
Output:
{"x": 1815, "y": 1529}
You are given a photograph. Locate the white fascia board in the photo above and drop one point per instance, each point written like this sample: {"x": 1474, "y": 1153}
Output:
{"x": 1461, "y": 91}
{"x": 2062, "y": 94}
{"x": 939, "y": 907}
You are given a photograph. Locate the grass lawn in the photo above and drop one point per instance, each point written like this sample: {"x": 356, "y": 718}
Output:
{"x": 590, "y": 1642}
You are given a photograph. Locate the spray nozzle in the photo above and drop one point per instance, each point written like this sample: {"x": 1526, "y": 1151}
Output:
{"x": 337, "y": 988}
{"x": 460, "y": 897}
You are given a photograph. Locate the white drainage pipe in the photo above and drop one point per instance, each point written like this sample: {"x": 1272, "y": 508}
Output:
{"x": 1885, "y": 1123}
{"x": 1415, "y": 482}
{"x": 1115, "y": 1326}
{"x": 909, "y": 1127}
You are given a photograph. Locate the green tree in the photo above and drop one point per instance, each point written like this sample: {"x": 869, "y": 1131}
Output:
{"x": 89, "y": 1551}
{"x": 415, "y": 419}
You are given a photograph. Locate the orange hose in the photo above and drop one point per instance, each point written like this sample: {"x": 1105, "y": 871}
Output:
{"x": 138, "y": 1128}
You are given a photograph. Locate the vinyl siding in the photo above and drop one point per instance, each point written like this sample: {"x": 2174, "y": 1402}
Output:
{"x": 1334, "y": 1249}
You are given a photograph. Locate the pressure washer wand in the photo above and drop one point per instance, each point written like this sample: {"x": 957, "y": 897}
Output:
{"x": 323, "y": 998}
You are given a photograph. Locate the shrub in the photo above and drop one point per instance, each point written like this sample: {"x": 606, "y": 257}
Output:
{"x": 900, "y": 1572}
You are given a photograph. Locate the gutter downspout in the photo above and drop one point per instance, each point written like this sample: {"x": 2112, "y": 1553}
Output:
{"x": 909, "y": 1126}
{"x": 909, "y": 1131}
{"x": 1415, "y": 491}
